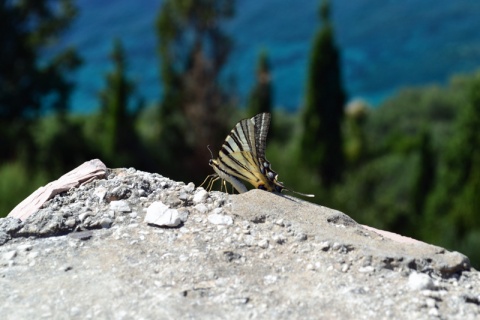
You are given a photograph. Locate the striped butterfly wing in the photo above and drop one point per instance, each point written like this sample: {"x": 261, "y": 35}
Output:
{"x": 261, "y": 125}
{"x": 242, "y": 156}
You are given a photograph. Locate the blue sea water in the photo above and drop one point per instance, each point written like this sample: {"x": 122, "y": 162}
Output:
{"x": 385, "y": 45}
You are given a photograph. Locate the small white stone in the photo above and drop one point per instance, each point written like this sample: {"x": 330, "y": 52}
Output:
{"x": 220, "y": 219}
{"x": 217, "y": 211}
{"x": 70, "y": 222}
{"x": 325, "y": 245}
{"x": 431, "y": 303}
{"x": 249, "y": 240}
{"x": 419, "y": 281}
{"x": 202, "y": 208}
{"x": 190, "y": 187}
{"x": 161, "y": 215}
{"x": 366, "y": 269}
{"x": 33, "y": 255}
{"x": 263, "y": 243}
{"x": 100, "y": 192}
{"x": 433, "y": 312}
{"x": 120, "y": 205}
{"x": 270, "y": 279}
{"x": 200, "y": 196}
{"x": 133, "y": 214}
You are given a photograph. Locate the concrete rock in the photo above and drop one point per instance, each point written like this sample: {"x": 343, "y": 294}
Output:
{"x": 254, "y": 255}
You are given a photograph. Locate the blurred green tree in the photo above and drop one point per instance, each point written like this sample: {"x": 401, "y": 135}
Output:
{"x": 322, "y": 142}
{"x": 424, "y": 180}
{"x": 30, "y": 84}
{"x": 193, "y": 50}
{"x": 120, "y": 143}
{"x": 452, "y": 212}
{"x": 356, "y": 150}
{"x": 261, "y": 96}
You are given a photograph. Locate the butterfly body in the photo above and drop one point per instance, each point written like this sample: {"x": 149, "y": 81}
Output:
{"x": 242, "y": 156}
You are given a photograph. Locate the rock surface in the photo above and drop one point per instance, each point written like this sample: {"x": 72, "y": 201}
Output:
{"x": 88, "y": 253}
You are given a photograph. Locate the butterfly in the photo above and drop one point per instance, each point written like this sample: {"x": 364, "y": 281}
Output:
{"x": 242, "y": 157}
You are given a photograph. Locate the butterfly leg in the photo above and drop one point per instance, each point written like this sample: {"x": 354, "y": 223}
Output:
{"x": 211, "y": 179}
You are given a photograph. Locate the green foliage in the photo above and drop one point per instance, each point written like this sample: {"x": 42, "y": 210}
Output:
{"x": 425, "y": 174}
{"x": 322, "y": 142}
{"x": 377, "y": 194}
{"x": 16, "y": 184}
{"x": 31, "y": 86}
{"x": 59, "y": 146}
{"x": 455, "y": 201}
{"x": 121, "y": 145}
{"x": 355, "y": 144}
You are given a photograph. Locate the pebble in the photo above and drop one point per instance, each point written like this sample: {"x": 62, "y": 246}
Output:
{"x": 120, "y": 206}
{"x": 133, "y": 215}
{"x": 106, "y": 223}
{"x": 433, "y": 312}
{"x": 220, "y": 219}
{"x": 431, "y": 303}
{"x": 249, "y": 240}
{"x": 279, "y": 238}
{"x": 100, "y": 192}
{"x": 190, "y": 187}
{"x": 420, "y": 281}
{"x": 300, "y": 237}
{"x": 161, "y": 215}
{"x": 200, "y": 196}
{"x": 325, "y": 246}
{"x": 70, "y": 222}
{"x": 263, "y": 243}
{"x": 270, "y": 279}
{"x": 366, "y": 269}
{"x": 241, "y": 300}
{"x": 217, "y": 211}
{"x": 201, "y": 207}
{"x": 183, "y": 196}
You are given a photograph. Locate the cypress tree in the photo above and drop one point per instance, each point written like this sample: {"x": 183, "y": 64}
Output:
{"x": 119, "y": 136}
{"x": 322, "y": 142}
{"x": 261, "y": 96}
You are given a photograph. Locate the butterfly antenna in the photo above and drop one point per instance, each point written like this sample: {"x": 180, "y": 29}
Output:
{"x": 302, "y": 194}
{"x": 208, "y": 147}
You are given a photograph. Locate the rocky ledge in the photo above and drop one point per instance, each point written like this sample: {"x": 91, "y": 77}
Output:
{"x": 138, "y": 245}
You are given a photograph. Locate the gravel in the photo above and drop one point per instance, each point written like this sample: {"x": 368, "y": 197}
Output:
{"x": 88, "y": 253}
